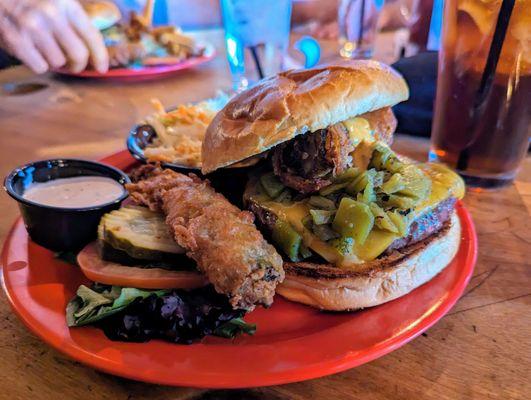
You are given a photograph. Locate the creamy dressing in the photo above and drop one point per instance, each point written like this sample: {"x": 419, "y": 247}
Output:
{"x": 78, "y": 192}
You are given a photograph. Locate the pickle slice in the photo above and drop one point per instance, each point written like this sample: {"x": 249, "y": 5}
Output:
{"x": 349, "y": 175}
{"x": 398, "y": 201}
{"x": 271, "y": 184}
{"x": 368, "y": 193}
{"x": 353, "y": 219}
{"x": 333, "y": 188}
{"x": 360, "y": 183}
{"x": 139, "y": 232}
{"x": 284, "y": 196}
{"x": 321, "y": 217}
{"x": 343, "y": 245}
{"x": 381, "y": 219}
{"x": 416, "y": 184}
{"x": 393, "y": 164}
{"x": 324, "y": 232}
{"x": 379, "y": 178}
{"x": 394, "y": 184}
{"x": 287, "y": 239}
{"x": 380, "y": 155}
{"x": 322, "y": 203}
{"x": 400, "y": 221}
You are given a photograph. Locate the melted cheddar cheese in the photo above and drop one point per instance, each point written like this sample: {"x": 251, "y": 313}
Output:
{"x": 445, "y": 183}
{"x": 362, "y": 137}
{"x": 359, "y": 130}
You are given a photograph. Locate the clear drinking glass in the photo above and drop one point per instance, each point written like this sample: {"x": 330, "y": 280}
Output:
{"x": 482, "y": 115}
{"x": 357, "y": 21}
{"x": 257, "y": 38}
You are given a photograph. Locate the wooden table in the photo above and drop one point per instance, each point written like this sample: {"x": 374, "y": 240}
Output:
{"x": 480, "y": 350}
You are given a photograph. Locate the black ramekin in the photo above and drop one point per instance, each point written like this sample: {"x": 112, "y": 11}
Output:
{"x": 56, "y": 228}
{"x": 230, "y": 181}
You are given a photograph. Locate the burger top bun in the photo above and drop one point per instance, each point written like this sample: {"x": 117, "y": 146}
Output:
{"x": 295, "y": 102}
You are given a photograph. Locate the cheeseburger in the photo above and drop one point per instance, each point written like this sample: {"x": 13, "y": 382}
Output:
{"x": 357, "y": 224}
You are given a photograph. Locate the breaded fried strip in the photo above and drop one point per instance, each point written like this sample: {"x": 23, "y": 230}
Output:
{"x": 221, "y": 238}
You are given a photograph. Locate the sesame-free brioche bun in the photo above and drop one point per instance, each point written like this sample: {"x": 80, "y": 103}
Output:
{"x": 295, "y": 102}
{"x": 103, "y": 14}
{"x": 332, "y": 288}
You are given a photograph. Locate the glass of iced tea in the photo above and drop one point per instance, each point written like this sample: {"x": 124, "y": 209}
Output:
{"x": 482, "y": 116}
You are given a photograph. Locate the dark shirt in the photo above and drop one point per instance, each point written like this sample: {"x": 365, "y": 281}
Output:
{"x": 6, "y": 60}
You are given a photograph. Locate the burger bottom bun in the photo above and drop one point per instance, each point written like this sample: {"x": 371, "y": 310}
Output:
{"x": 385, "y": 279}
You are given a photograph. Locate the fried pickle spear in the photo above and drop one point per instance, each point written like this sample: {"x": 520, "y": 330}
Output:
{"x": 221, "y": 238}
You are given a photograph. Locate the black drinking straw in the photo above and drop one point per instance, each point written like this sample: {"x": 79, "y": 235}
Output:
{"x": 487, "y": 78}
{"x": 360, "y": 30}
{"x": 254, "y": 53}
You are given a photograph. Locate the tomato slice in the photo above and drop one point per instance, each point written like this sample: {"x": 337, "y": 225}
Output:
{"x": 109, "y": 273}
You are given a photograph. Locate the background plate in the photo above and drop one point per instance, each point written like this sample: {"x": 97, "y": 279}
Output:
{"x": 292, "y": 343}
{"x": 144, "y": 72}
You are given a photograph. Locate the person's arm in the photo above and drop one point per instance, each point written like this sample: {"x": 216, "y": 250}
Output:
{"x": 323, "y": 11}
{"x": 46, "y": 34}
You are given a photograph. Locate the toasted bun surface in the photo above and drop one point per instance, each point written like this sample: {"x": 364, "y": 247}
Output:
{"x": 295, "y": 102}
{"x": 331, "y": 288}
{"x": 103, "y": 14}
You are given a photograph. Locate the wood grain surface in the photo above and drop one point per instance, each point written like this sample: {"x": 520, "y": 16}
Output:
{"x": 480, "y": 350}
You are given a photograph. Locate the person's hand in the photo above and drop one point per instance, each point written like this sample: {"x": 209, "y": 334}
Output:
{"x": 46, "y": 34}
{"x": 327, "y": 31}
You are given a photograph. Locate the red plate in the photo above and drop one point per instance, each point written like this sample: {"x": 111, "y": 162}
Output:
{"x": 143, "y": 72}
{"x": 293, "y": 342}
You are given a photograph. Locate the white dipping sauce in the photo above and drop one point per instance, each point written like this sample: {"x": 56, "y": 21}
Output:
{"x": 78, "y": 192}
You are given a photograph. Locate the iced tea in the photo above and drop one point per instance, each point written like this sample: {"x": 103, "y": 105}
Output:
{"x": 482, "y": 113}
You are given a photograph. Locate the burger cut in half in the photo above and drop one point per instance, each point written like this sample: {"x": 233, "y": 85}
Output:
{"x": 357, "y": 224}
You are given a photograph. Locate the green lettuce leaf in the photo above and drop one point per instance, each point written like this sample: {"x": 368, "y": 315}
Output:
{"x": 234, "y": 327}
{"x": 92, "y": 304}
{"x": 101, "y": 301}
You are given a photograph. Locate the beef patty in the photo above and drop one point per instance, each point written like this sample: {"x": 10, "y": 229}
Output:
{"x": 422, "y": 227}
{"x": 310, "y": 161}
{"x": 426, "y": 224}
